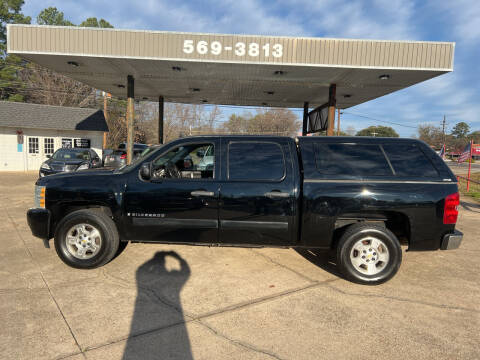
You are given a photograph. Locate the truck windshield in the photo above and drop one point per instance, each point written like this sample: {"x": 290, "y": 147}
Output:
{"x": 145, "y": 153}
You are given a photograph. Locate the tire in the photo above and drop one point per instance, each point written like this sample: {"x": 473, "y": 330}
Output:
{"x": 368, "y": 254}
{"x": 86, "y": 239}
{"x": 121, "y": 247}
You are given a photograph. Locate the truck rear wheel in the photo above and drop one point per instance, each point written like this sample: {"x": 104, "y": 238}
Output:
{"x": 368, "y": 254}
{"x": 86, "y": 239}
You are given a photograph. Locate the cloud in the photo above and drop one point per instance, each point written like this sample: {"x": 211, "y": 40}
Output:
{"x": 455, "y": 94}
{"x": 464, "y": 18}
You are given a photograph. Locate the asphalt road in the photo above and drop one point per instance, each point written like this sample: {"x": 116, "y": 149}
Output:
{"x": 462, "y": 168}
{"x": 174, "y": 302}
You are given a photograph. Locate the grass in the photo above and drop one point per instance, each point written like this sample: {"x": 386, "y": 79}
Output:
{"x": 474, "y": 191}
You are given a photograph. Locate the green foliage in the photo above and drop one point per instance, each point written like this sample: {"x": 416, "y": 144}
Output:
{"x": 460, "y": 130}
{"x": 52, "y": 16}
{"x": 16, "y": 98}
{"x": 475, "y": 136}
{"x": 382, "y": 131}
{"x": 10, "y": 14}
{"x": 20, "y": 79}
{"x": 93, "y": 22}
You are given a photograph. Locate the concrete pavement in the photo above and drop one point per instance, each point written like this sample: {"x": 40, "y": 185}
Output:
{"x": 179, "y": 302}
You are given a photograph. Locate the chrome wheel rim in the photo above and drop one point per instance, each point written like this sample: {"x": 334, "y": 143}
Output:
{"x": 83, "y": 241}
{"x": 369, "y": 256}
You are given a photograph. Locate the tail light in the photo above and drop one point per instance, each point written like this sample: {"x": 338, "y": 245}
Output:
{"x": 450, "y": 210}
{"x": 124, "y": 156}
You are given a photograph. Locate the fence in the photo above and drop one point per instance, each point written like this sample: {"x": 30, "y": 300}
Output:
{"x": 469, "y": 186}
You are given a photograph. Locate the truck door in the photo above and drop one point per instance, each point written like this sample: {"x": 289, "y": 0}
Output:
{"x": 179, "y": 204}
{"x": 258, "y": 193}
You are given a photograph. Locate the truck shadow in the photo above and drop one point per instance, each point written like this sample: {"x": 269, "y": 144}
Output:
{"x": 163, "y": 286}
{"x": 470, "y": 206}
{"x": 321, "y": 258}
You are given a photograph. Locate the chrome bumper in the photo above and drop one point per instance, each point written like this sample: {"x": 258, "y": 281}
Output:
{"x": 452, "y": 241}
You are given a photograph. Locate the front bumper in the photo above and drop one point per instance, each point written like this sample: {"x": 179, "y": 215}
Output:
{"x": 452, "y": 241}
{"x": 39, "y": 221}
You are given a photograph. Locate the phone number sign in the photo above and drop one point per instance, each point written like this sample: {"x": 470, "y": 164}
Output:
{"x": 239, "y": 48}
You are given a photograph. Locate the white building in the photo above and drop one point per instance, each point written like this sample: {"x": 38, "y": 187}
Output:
{"x": 30, "y": 132}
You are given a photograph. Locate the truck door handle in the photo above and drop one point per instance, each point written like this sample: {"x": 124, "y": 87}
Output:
{"x": 202, "y": 193}
{"x": 277, "y": 194}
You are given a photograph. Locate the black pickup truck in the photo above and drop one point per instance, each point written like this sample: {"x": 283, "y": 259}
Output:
{"x": 360, "y": 197}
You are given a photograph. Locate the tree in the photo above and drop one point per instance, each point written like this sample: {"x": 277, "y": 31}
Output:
{"x": 383, "y": 131}
{"x": 50, "y": 88}
{"x": 432, "y": 135}
{"x": 93, "y": 22}
{"x": 460, "y": 130}
{"x": 10, "y": 13}
{"x": 52, "y": 16}
{"x": 40, "y": 85}
{"x": 265, "y": 121}
{"x": 475, "y": 136}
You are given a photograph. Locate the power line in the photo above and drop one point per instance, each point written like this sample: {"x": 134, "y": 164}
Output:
{"x": 384, "y": 121}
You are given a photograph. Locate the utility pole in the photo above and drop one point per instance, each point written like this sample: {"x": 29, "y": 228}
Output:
{"x": 105, "y": 114}
{"x": 443, "y": 128}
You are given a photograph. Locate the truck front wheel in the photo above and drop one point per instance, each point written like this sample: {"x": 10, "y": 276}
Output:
{"x": 368, "y": 254}
{"x": 86, "y": 239}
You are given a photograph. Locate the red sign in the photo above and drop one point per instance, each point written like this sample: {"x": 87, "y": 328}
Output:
{"x": 476, "y": 149}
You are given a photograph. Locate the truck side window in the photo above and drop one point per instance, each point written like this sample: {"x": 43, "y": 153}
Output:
{"x": 190, "y": 161}
{"x": 409, "y": 160}
{"x": 353, "y": 159}
{"x": 251, "y": 160}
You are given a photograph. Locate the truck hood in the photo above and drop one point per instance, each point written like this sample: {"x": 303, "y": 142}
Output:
{"x": 77, "y": 176}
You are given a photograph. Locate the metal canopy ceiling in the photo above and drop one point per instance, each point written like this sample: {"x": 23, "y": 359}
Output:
{"x": 211, "y": 68}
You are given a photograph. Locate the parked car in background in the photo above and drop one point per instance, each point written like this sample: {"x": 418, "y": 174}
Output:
{"x": 66, "y": 160}
{"x": 118, "y": 158}
{"x": 105, "y": 153}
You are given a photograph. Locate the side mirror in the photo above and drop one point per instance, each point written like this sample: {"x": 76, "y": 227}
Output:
{"x": 49, "y": 156}
{"x": 146, "y": 171}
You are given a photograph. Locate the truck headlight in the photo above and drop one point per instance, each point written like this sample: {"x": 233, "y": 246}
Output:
{"x": 39, "y": 198}
{"x": 83, "y": 167}
{"x": 45, "y": 166}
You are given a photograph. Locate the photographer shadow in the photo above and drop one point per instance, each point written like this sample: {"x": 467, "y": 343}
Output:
{"x": 151, "y": 335}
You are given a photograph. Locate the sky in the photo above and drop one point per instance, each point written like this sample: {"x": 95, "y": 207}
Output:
{"x": 455, "y": 95}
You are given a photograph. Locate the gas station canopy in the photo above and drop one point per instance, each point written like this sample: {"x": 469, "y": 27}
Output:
{"x": 231, "y": 69}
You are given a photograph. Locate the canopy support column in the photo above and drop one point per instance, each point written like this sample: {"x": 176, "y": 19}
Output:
{"x": 338, "y": 122}
{"x": 160, "y": 119}
{"x": 305, "y": 119}
{"x": 130, "y": 116}
{"x": 332, "y": 102}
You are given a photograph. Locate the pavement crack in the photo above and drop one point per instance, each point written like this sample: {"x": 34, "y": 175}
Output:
{"x": 239, "y": 343}
{"x": 151, "y": 293}
{"x": 44, "y": 281}
{"x": 192, "y": 318}
{"x": 394, "y": 298}
{"x": 283, "y": 266}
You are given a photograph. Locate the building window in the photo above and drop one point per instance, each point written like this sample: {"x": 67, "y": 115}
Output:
{"x": 48, "y": 146}
{"x": 33, "y": 145}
